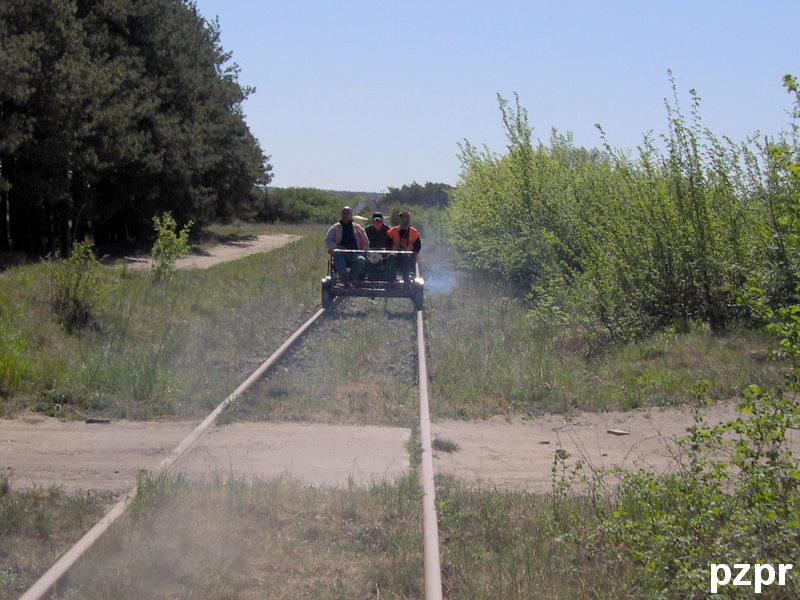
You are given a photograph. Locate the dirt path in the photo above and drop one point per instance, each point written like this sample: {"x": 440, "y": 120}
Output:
{"x": 517, "y": 454}
{"x": 327, "y": 455}
{"x": 224, "y": 252}
{"x": 106, "y": 458}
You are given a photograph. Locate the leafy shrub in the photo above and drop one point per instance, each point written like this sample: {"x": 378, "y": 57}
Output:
{"x": 664, "y": 239}
{"x": 169, "y": 245}
{"x": 734, "y": 499}
{"x": 75, "y": 286}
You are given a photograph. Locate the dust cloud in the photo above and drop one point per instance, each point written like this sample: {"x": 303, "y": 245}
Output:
{"x": 440, "y": 280}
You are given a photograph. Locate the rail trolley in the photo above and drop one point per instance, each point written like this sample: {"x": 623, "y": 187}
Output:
{"x": 375, "y": 280}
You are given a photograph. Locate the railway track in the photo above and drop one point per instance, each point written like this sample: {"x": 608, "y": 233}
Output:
{"x": 431, "y": 569}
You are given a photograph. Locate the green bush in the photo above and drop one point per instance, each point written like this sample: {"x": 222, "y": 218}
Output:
{"x": 735, "y": 497}
{"x": 75, "y": 286}
{"x": 638, "y": 244}
{"x": 169, "y": 245}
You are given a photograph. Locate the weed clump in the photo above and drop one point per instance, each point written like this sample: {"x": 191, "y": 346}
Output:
{"x": 169, "y": 245}
{"x": 444, "y": 445}
{"x": 75, "y": 287}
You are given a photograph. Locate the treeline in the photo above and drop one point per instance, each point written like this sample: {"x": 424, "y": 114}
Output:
{"x": 111, "y": 112}
{"x": 428, "y": 195}
{"x": 312, "y": 205}
{"x": 296, "y": 205}
{"x": 633, "y": 244}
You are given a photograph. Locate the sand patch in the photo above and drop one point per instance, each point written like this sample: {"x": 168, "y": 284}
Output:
{"x": 223, "y": 252}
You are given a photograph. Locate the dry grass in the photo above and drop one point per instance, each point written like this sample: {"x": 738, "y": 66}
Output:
{"x": 358, "y": 366}
{"x": 225, "y": 539}
{"x": 273, "y": 539}
{"x": 36, "y": 526}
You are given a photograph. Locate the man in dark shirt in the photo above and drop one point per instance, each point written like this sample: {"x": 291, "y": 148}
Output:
{"x": 346, "y": 235}
{"x": 377, "y": 233}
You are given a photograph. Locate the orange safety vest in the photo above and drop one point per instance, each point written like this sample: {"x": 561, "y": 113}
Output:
{"x": 406, "y": 243}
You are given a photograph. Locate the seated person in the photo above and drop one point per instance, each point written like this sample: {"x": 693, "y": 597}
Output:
{"x": 403, "y": 237}
{"x": 378, "y": 233}
{"x": 347, "y": 235}
{"x": 378, "y": 237}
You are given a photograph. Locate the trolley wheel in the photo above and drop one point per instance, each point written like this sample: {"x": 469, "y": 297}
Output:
{"x": 417, "y": 299}
{"x": 327, "y": 297}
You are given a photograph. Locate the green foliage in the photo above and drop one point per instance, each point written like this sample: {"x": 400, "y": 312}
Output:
{"x": 75, "y": 287}
{"x": 16, "y": 363}
{"x": 153, "y": 350}
{"x": 169, "y": 245}
{"x": 516, "y": 215}
{"x": 512, "y": 360}
{"x": 297, "y": 205}
{"x": 735, "y": 497}
{"x": 136, "y": 102}
{"x": 431, "y": 195}
{"x": 627, "y": 246}
{"x": 563, "y": 478}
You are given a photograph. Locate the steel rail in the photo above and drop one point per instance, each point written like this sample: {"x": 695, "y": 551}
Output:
{"x": 42, "y": 587}
{"x": 430, "y": 525}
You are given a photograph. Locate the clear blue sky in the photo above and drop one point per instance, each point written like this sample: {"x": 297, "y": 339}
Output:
{"x": 365, "y": 95}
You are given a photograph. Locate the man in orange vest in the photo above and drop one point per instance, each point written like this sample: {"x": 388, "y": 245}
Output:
{"x": 403, "y": 237}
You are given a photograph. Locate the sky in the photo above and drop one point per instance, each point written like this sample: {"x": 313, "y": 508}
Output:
{"x": 362, "y": 96}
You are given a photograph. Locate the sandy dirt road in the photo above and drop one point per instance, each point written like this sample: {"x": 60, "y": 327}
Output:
{"x": 224, "y": 252}
{"x": 107, "y": 458}
{"x": 519, "y": 454}
{"x": 496, "y": 453}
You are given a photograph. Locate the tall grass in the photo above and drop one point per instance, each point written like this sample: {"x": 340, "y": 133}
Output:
{"x": 15, "y": 361}
{"x": 179, "y": 348}
{"x": 490, "y": 354}
{"x": 171, "y": 349}
{"x": 224, "y": 538}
